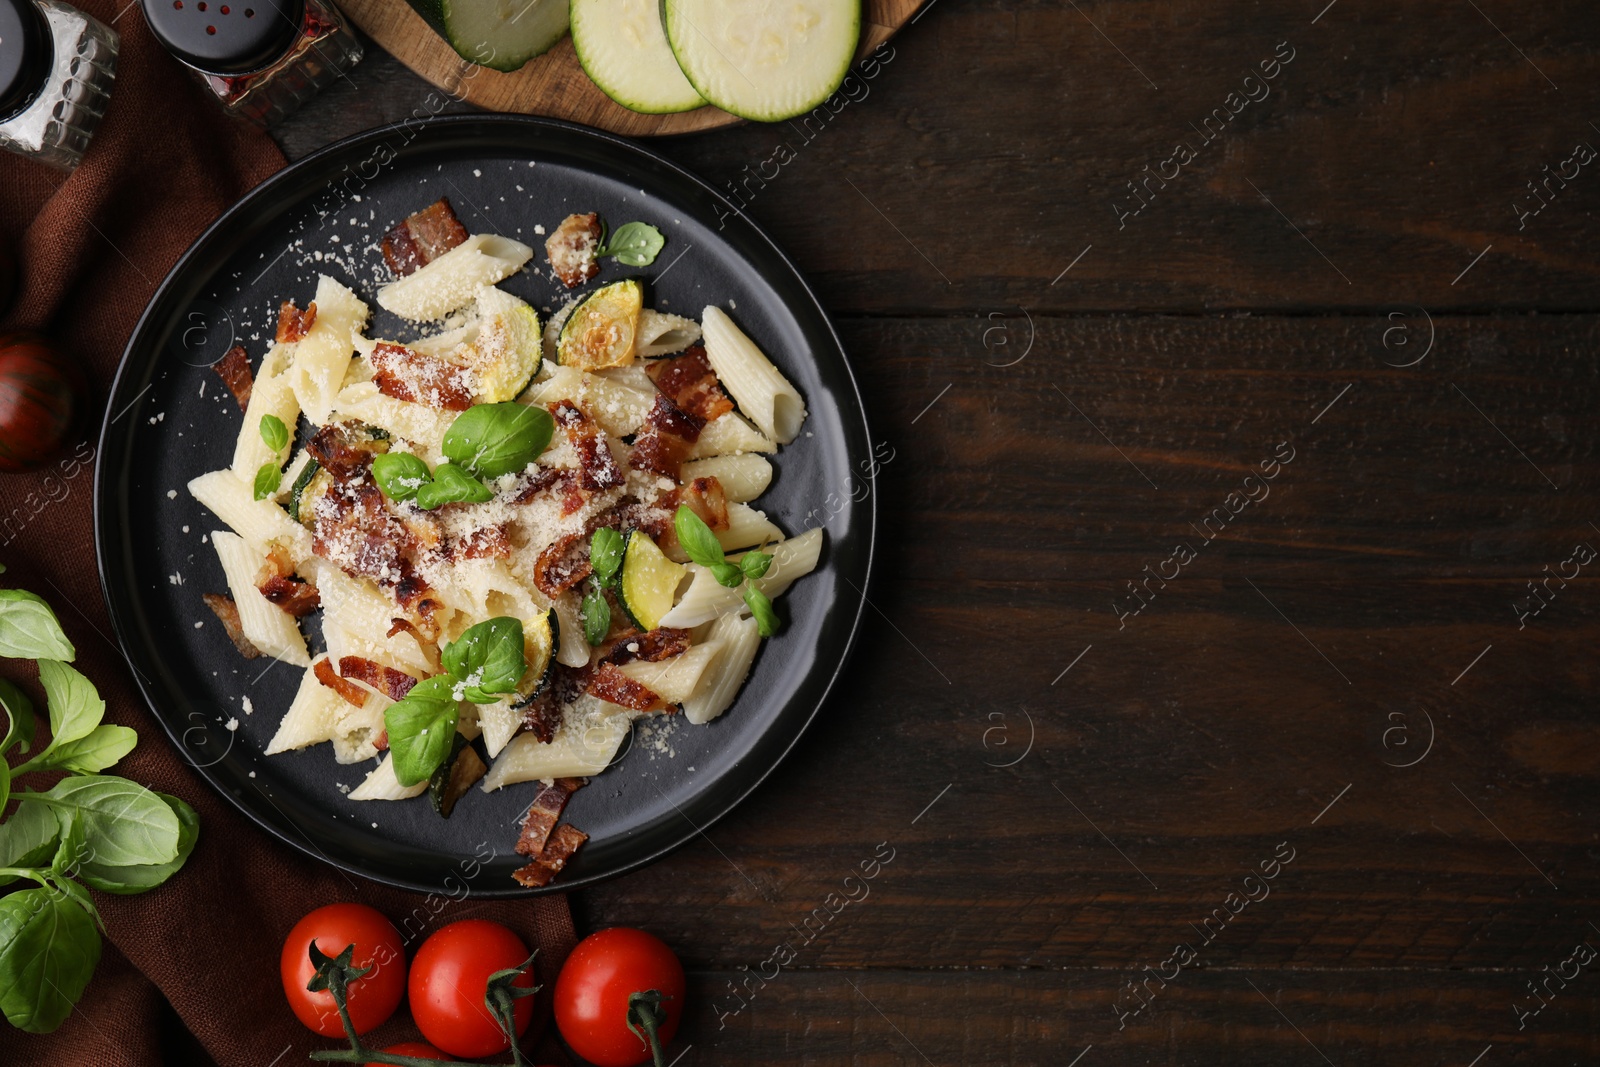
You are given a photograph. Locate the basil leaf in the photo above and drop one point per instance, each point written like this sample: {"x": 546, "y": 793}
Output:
{"x": 635, "y": 244}
{"x": 605, "y": 554}
{"x": 755, "y": 564}
{"x": 29, "y": 630}
{"x": 268, "y": 478}
{"x": 19, "y": 716}
{"x": 400, "y": 474}
{"x": 596, "y": 614}
{"x": 102, "y": 747}
{"x": 761, "y": 608}
{"x": 75, "y": 706}
{"x": 452, "y": 485}
{"x": 274, "y": 432}
{"x": 696, "y": 537}
{"x": 48, "y": 951}
{"x": 72, "y": 849}
{"x": 486, "y": 660}
{"x": 137, "y": 878}
{"x": 124, "y": 824}
{"x": 727, "y": 574}
{"x": 28, "y": 838}
{"x": 490, "y": 440}
{"x": 421, "y": 729}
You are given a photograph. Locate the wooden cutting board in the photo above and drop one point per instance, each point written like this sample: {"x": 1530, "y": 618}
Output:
{"x": 554, "y": 84}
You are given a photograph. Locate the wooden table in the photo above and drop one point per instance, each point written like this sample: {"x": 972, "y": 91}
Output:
{"x": 1083, "y": 744}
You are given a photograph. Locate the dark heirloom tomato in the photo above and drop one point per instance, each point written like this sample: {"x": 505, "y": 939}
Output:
{"x": 373, "y": 997}
{"x": 41, "y": 401}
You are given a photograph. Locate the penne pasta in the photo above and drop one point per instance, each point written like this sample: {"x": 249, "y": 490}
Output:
{"x": 259, "y": 522}
{"x": 705, "y": 598}
{"x": 673, "y": 680}
{"x": 381, "y": 784}
{"x": 761, "y": 391}
{"x": 322, "y": 357}
{"x": 743, "y": 477}
{"x": 661, "y": 334}
{"x": 272, "y": 394}
{"x": 452, "y": 281}
{"x": 313, "y": 716}
{"x": 268, "y": 627}
{"x": 735, "y": 640}
{"x": 584, "y": 745}
{"x": 731, "y": 435}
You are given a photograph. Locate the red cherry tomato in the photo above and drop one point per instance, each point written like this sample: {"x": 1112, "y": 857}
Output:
{"x": 372, "y": 998}
{"x": 449, "y": 978}
{"x": 592, "y": 994}
{"x": 413, "y": 1048}
{"x": 41, "y": 401}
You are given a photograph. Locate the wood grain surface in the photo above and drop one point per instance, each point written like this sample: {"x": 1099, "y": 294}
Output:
{"x": 1350, "y": 667}
{"x": 554, "y": 84}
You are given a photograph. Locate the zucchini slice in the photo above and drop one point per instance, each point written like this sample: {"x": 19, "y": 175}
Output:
{"x": 649, "y": 581}
{"x": 508, "y": 349}
{"x": 499, "y": 34}
{"x": 457, "y": 774}
{"x": 303, "y": 497}
{"x": 540, "y": 638}
{"x": 601, "y": 332}
{"x": 766, "y": 62}
{"x": 624, "y": 50}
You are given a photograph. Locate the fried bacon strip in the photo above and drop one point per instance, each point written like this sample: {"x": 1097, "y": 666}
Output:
{"x": 351, "y": 692}
{"x": 691, "y": 383}
{"x": 562, "y": 565}
{"x": 486, "y": 542}
{"x": 296, "y": 596}
{"x": 386, "y": 680}
{"x": 597, "y": 467}
{"x": 336, "y": 448}
{"x": 422, "y": 237}
{"x": 407, "y": 375}
{"x": 703, "y": 496}
{"x": 667, "y": 438}
{"x": 544, "y": 813}
{"x": 571, "y": 249}
{"x": 294, "y": 324}
{"x": 234, "y": 370}
{"x": 227, "y": 613}
{"x": 564, "y": 842}
{"x": 614, "y": 687}
{"x": 652, "y": 646}
{"x": 351, "y": 528}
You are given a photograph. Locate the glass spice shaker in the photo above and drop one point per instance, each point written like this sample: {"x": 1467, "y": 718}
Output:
{"x": 56, "y": 69}
{"x": 262, "y": 59}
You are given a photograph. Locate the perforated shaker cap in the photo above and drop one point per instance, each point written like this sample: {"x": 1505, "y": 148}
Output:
{"x": 225, "y": 36}
{"x": 26, "y": 55}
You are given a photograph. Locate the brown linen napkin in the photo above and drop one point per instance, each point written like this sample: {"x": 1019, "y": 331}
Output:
{"x": 93, "y": 247}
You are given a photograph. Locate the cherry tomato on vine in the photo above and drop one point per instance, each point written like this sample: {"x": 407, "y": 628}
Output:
{"x": 372, "y": 998}
{"x": 449, "y": 978}
{"x": 593, "y": 991}
{"x": 413, "y": 1048}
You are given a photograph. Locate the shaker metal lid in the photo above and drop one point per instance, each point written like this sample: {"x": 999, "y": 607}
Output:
{"x": 26, "y": 55}
{"x": 225, "y": 36}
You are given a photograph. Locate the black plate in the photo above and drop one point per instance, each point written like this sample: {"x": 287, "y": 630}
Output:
{"x": 324, "y": 214}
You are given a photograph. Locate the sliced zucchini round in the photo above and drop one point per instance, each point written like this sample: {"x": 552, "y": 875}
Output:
{"x": 508, "y": 348}
{"x": 499, "y": 34}
{"x": 649, "y": 581}
{"x": 624, "y": 50}
{"x": 303, "y": 498}
{"x": 540, "y": 636}
{"x": 601, "y": 332}
{"x": 301, "y": 484}
{"x": 766, "y": 62}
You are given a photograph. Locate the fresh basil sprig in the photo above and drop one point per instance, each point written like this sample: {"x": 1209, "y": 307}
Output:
{"x": 635, "y": 244}
{"x": 605, "y": 554}
{"x": 485, "y": 662}
{"x": 88, "y": 829}
{"x": 400, "y": 474}
{"x": 274, "y": 433}
{"x": 268, "y": 478}
{"x": 596, "y": 612}
{"x": 605, "y": 559}
{"x": 490, "y": 440}
{"x": 452, "y": 485}
{"x": 422, "y": 728}
{"x": 702, "y": 546}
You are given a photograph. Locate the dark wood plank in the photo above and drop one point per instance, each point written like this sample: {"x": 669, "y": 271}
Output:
{"x": 1303, "y": 651}
{"x": 1243, "y": 1018}
{"x": 988, "y": 152}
